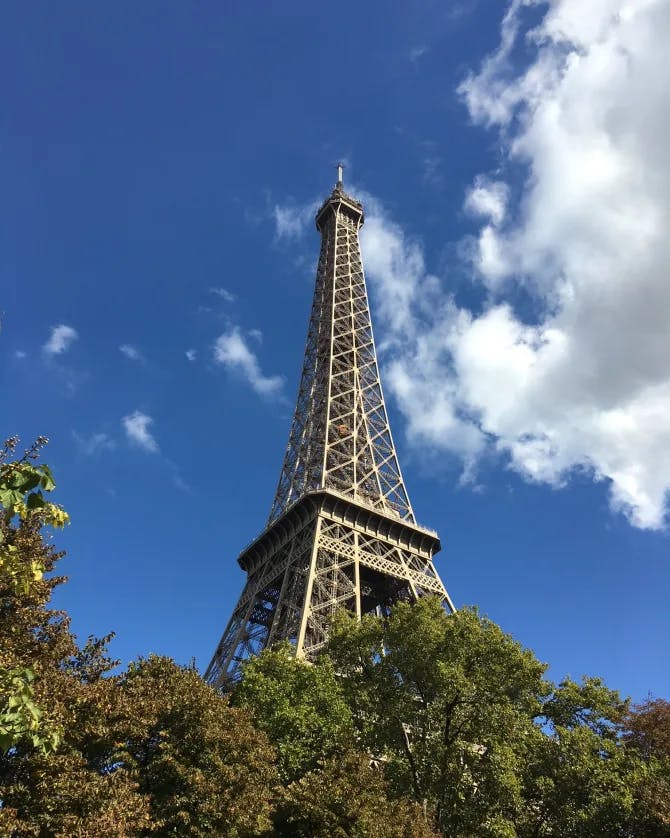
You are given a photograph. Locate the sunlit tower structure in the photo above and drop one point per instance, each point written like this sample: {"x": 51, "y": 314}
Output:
{"x": 341, "y": 532}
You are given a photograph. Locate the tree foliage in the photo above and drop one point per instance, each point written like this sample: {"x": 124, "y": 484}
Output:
{"x": 467, "y": 721}
{"x": 416, "y": 724}
{"x": 301, "y": 708}
{"x": 153, "y": 750}
{"x": 347, "y": 796}
{"x": 203, "y": 765}
{"x": 648, "y": 728}
{"x": 647, "y": 733}
{"x": 449, "y": 702}
{"x": 24, "y": 557}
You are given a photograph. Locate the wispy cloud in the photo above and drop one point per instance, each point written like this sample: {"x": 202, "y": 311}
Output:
{"x": 191, "y": 354}
{"x": 60, "y": 340}
{"x": 94, "y": 443}
{"x": 418, "y": 52}
{"x": 293, "y": 220}
{"x": 132, "y": 353}
{"x": 458, "y": 11}
{"x": 432, "y": 170}
{"x": 19, "y": 354}
{"x": 232, "y": 351}
{"x": 585, "y": 385}
{"x": 224, "y": 294}
{"x": 136, "y": 425}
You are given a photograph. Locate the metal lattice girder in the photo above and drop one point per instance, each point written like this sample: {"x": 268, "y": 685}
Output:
{"x": 340, "y": 436}
{"x": 325, "y": 553}
{"x": 341, "y": 532}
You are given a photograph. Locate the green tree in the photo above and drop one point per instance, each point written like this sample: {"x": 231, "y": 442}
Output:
{"x": 647, "y": 733}
{"x": 300, "y": 706}
{"x": 203, "y": 766}
{"x": 150, "y": 751}
{"x": 345, "y": 797}
{"x": 78, "y": 787}
{"x": 465, "y": 720}
{"x": 329, "y": 788}
{"x": 580, "y": 784}
{"x": 449, "y": 702}
{"x": 48, "y": 785}
{"x": 24, "y": 557}
{"x": 647, "y": 728}
{"x": 465, "y": 732}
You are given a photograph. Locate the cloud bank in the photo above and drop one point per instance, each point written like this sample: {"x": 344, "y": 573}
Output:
{"x": 586, "y": 384}
{"x": 574, "y": 220}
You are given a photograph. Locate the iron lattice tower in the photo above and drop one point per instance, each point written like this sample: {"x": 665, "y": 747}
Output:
{"x": 341, "y": 531}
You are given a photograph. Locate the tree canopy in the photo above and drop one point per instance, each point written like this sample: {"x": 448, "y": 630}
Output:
{"x": 467, "y": 721}
{"x": 416, "y": 724}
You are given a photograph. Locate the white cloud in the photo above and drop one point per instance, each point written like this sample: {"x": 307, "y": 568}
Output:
{"x": 418, "y": 320}
{"x": 487, "y": 198}
{"x": 94, "y": 443}
{"x": 131, "y": 352}
{"x": 232, "y": 351}
{"x": 136, "y": 425}
{"x": 394, "y": 260}
{"x": 586, "y": 384}
{"x": 191, "y": 354}
{"x": 19, "y": 354}
{"x": 432, "y": 167}
{"x": 588, "y": 119}
{"x": 417, "y": 52}
{"x": 226, "y": 295}
{"x": 292, "y": 220}
{"x": 60, "y": 339}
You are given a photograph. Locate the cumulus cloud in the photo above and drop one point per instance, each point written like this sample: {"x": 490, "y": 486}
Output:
{"x": 191, "y": 354}
{"x": 132, "y": 353}
{"x": 136, "y": 425}
{"x": 487, "y": 198}
{"x": 576, "y": 216}
{"x": 585, "y": 383}
{"x": 232, "y": 351}
{"x": 587, "y": 119}
{"x": 418, "y": 321}
{"x": 60, "y": 339}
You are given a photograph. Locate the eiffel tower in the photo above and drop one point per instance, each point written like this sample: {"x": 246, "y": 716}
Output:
{"x": 341, "y": 531}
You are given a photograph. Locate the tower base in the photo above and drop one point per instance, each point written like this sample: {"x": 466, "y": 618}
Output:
{"x": 326, "y": 552}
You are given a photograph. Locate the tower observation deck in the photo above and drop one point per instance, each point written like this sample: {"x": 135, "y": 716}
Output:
{"x": 341, "y": 532}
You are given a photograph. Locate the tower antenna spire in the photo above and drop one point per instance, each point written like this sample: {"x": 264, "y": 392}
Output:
{"x": 340, "y": 169}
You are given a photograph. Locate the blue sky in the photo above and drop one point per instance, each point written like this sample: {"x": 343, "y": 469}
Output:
{"x": 160, "y": 166}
